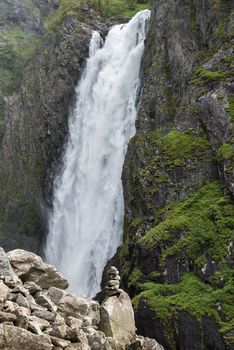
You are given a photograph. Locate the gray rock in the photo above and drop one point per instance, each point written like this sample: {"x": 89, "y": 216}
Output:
{"x": 19, "y": 339}
{"x": 5, "y": 266}
{"x": 60, "y": 342}
{"x": 117, "y": 318}
{"x": 7, "y": 317}
{"x": 31, "y": 268}
{"x": 22, "y": 301}
{"x": 43, "y": 300}
{"x": 4, "y": 292}
{"x": 46, "y": 315}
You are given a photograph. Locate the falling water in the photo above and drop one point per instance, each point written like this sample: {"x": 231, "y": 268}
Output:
{"x": 85, "y": 227}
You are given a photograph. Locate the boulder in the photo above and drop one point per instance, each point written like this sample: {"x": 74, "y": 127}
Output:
{"x": 60, "y": 342}
{"x": 46, "y": 315}
{"x": 22, "y": 301}
{"x": 5, "y": 266}
{"x": 4, "y": 290}
{"x": 73, "y": 305}
{"x": 19, "y": 339}
{"x": 43, "y": 324}
{"x": 7, "y": 317}
{"x": 43, "y": 300}
{"x": 30, "y": 268}
{"x": 141, "y": 343}
{"x": 117, "y": 318}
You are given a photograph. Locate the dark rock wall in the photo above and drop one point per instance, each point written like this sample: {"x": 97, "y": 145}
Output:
{"x": 178, "y": 171}
{"x": 36, "y": 127}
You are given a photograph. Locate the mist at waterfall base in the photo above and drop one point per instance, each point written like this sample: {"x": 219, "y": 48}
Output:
{"x": 85, "y": 227}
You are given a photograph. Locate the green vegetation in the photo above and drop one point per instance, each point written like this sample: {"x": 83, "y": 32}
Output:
{"x": 15, "y": 48}
{"x": 198, "y": 229}
{"x": 174, "y": 148}
{"x": 231, "y": 109}
{"x": 204, "y": 76}
{"x": 107, "y": 9}
{"x": 226, "y": 152}
{"x": 111, "y": 8}
{"x": 193, "y": 296}
{"x": 202, "y": 226}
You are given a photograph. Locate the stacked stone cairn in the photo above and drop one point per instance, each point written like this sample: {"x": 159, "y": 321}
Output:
{"x": 113, "y": 282}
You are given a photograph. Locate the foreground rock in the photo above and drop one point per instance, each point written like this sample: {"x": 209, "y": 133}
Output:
{"x": 17, "y": 338}
{"x": 30, "y": 267}
{"x": 117, "y": 316}
{"x": 37, "y": 315}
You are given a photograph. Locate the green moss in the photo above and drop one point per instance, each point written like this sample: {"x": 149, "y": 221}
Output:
{"x": 178, "y": 146}
{"x": 231, "y": 109}
{"x": 16, "y": 47}
{"x": 226, "y": 152}
{"x": 106, "y": 8}
{"x": 191, "y": 295}
{"x": 204, "y": 76}
{"x": 197, "y": 228}
{"x": 134, "y": 278}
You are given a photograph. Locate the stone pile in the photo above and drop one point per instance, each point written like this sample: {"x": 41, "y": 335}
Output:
{"x": 37, "y": 313}
{"x": 113, "y": 282}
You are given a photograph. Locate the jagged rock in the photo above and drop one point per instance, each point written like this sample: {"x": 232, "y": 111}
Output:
{"x": 9, "y": 306}
{"x": 44, "y": 314}
{"x": 117, "y": 318}
{"x": 7, "y": 317}
{"x": 97, "y": 340}
{"x": 31, "y": 268}
{"x": 20, "y": 289}
{"x": 22, "y": 301}
{"x": 72, "y": 305}
{"x": 59, "y": 331}
{"x": 5, "y": 266}
{"x": 141, "y": 343}
{"x": 34, "y": 327}
{"x": 12, "y": 281}
{"x": 43, "y": 300}
{"x": 32, "y": 287}
{"x": 4, "y": 291}
{"x": 19, "y": 339}
{"x": 76, "y": 335}
{"x": 43, "y": 324}
{"x": 77, "y": 346}
{"x": 73, "y": 322}
{"x": 60, "y": 342}
{"x": 59, "y": 320}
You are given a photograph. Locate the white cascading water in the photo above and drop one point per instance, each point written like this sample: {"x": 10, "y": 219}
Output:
{"x": 85, "y": 227}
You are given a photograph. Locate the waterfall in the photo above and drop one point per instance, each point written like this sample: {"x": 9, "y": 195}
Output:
{"x": 85, "y": 227}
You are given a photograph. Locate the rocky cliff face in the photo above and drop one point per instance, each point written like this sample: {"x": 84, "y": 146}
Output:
{"x": 177, "y": 256}
{"x": 36, "y": 125}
